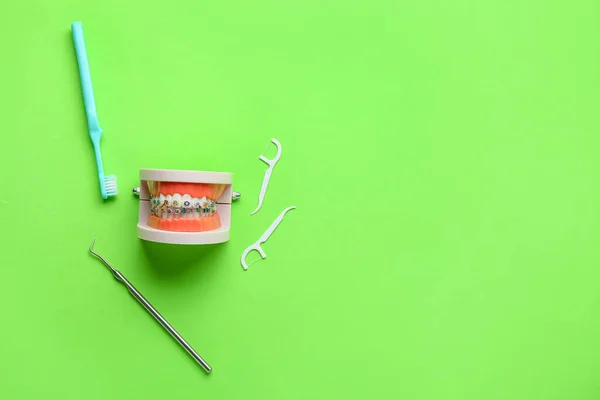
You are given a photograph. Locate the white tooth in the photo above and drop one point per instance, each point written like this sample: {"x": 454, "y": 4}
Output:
{"x": 196, "y": 204}
{"x": 168, "y": 200}
{"x": 150, "y": 186}
{"x": 176, "y": 200}
{"x": 176, "y": 213}
{"x": 206, "y": 210}
{"x": 163, "y": 212}
{"x": 186, "y": 200}
{"x": 161, "y": 199}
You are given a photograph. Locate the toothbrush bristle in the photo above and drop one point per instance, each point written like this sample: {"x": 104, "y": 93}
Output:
{"x": 110, "y": 183}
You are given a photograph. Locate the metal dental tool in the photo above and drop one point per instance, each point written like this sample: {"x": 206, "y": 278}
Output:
{"x": 119, "y": 276}
{"x": 264, "y": 238}
{"x": 271, "y": 164}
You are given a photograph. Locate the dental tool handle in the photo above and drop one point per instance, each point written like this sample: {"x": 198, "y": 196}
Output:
{"x": 263, "y": 189}
{"x": 274, "y": 225}
{"x": 86, "y": 80}
{"x": 161, "y": 320}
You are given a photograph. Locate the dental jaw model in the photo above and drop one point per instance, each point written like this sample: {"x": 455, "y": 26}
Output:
{"x": 184, "y": 207}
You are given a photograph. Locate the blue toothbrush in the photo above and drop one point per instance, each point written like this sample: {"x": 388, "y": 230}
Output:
{"x": 108, "y": 184}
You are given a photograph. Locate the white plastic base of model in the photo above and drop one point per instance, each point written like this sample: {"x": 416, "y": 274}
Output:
{"x": 220, "y": 235}
{"x": 174, "y": 175}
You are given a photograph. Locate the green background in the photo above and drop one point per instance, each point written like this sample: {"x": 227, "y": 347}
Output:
{"x": 443, "y": 156}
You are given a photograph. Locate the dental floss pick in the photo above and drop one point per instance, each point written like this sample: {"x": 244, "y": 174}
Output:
{"x": 265, "y": 236}
{"x": 268, "y": 172}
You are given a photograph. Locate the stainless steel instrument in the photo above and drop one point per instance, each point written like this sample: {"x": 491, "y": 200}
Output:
{"x": 121, "y": 278}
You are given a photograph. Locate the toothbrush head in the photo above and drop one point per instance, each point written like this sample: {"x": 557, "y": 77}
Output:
{"x": 108, "y": 186}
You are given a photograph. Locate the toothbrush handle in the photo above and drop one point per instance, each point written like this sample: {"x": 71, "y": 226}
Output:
{"x": 84, "y": 76}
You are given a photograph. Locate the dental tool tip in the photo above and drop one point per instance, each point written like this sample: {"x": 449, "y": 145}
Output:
{"x": 136, "y": 191}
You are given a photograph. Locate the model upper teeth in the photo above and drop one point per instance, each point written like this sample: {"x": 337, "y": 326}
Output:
{"x": 182, "y": 206}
